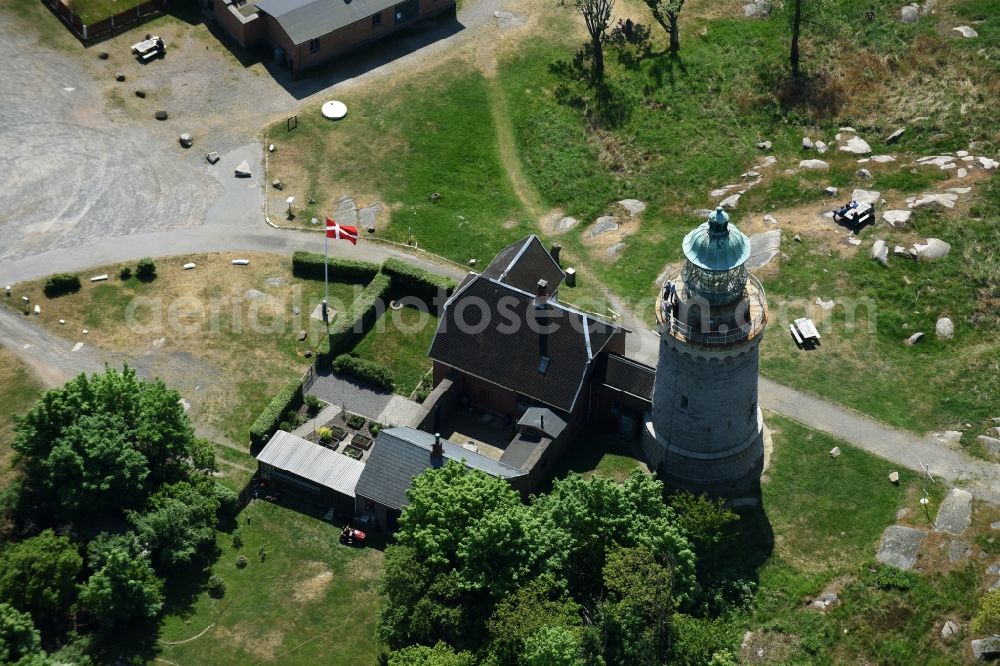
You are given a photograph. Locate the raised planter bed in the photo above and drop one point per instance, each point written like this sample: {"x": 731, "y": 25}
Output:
{"x": 353, "y": 452}
{"x": 361, "y": 441}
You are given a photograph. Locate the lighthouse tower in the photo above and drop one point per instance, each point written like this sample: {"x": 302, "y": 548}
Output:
{"x": 705, "y": 430}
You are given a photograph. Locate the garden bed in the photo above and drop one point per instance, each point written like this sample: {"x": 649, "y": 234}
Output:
{"x": 352, "y": 451}
{"x": 361, "y": 441}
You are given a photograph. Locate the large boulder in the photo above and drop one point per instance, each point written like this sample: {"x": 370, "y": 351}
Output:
{"x": 897, "y": 218}
{"x": 895, "y": 136}
{"x": 866, "y": 196}
{"x": 764, "y": 247}
{"x": 633, "y": 206}
{"x": 909, "y": 14}
{"x": 242, "y": 170}
{"x": 966, "y": 31}
{"x": 604, "y": 225}
{"x": 899, "y": 546}
{"x": 730, "y": 201}
{"x": 855, "y": 145}
{"x": 945, "y": 200}
{"x": 955, "y": 513}
{"x": 933, "y": 250}
{"x": 880, "y": 252}
{"x": 813, "y": 164}
{"x": 986, "y": 648}
{"x": 944, "y": 329}
{"x": 991, "y": 444}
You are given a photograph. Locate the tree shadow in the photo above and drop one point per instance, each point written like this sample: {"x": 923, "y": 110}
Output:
{"x": 665, "y": 66}
{"x": 817, "y": 93}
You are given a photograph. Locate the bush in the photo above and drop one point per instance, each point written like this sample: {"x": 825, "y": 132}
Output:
{"x": 125, "y": 273}
{"x": 146, "y": 270}
{"x": 325, "y": 435}
{"x": 261, "y": 553}
{"x": 267, "y": 422}
{"x": 987, "y": 620}
{"x": 216, "y": 587}
{"x": 355, "y": 421}
{"x": 313, "y": 405}
{"x": 422, "y": 391}
{"x": 62, "y": 283}
{"x": 241, "y": 562}
{"x": 374, "y": 428}
{"x": 365, "y": 370}
{"x": 227, "y": 498}
{"x": 352, "y": 325}
{"x": 891, "y": 578}
{"x": 237, "y": 539}
{"x": 408, "y": 280}
{"x": 309, "y": 265}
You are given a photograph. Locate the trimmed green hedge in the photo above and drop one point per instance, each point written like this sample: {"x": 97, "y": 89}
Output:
{"x": 365, "y": 370}
{"x": 286, "y": 400}
{"x": 61, "y": 283}
{"x": 309, "y": 265}
{"x": 350, "y": 326}
{"x": 408, "y": 280}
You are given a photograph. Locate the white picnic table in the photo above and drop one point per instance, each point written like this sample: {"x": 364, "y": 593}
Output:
{"x": 147, "y": 48}
{"x": 804, "y": 329}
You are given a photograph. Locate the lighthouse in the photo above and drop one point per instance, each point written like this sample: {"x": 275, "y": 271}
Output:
{"x": 704, "y": 432}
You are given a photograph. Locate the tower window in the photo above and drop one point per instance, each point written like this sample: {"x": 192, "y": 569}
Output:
{"x": 752, "y": 411}
{"x": 377, "y": 19}
{"x": 314, "y": 45}
{"x": 684, "y": 402}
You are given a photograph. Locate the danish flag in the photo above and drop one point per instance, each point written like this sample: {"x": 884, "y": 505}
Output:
{"x": 341, "y": 232}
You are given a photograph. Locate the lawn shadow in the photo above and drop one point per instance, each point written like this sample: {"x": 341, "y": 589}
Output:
{"x": 663, "y": 68}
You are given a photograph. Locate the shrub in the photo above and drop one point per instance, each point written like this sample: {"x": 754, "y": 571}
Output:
{"x": 125, "y": 273}
{"x": 261, "y": 553}
{"x": 355, "y": 421}
{"x": 309, "y": 265}
{"x": 227, "y": 498}
{"x": 365, "y": 370}
{"x": 62, "y": 283}
{"x": 216, "y": 587}
{"x": 313, "y": 405}
{"x": 237, "y": 539}
{"x": 241, "y": 562}
{"x": 891, "y": 578}
{"x": 408, "y": 280}
{"x": 374, "y": 428}
{"x": 146, "y": 270}
{"x": 422, "y": 391}
{"x": 987, "y": 620}
{"x": 274, "y": 413}
{"x": 325, "y": 435}
{"x": 352, "y": 325}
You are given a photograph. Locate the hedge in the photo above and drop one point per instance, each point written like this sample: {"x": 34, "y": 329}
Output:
{"x": 350, "y": 326}
{"x": 286, "y": 400}
{"x": 61, "y": 283}
{"x": 309, "y": 265}
{"x": 365, "y": 370}
{"x": 408, "y": 280}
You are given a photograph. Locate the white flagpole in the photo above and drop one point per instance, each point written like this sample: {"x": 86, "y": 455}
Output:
{"x": 326, "y": 278}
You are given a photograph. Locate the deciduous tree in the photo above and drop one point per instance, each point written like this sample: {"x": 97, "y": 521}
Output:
{"x": 666, "y": 13}
{"x": 19, "y": 640}
{"x": 597, "y": 17}
{"x": 38, "y": 575}
{"x": 122, "y": 587}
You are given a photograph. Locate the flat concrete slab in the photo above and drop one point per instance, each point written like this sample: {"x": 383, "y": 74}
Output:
{"x": 955, "y": 513}
{"x": 351, "y": 394}
{"x": 399, "y": 412}
{"x": 899, "y": 546}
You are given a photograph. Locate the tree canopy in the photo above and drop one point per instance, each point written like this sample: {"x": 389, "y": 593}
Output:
{"x": 38, "y": 575}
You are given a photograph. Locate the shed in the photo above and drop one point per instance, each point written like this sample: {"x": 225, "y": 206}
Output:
{"x": 310, "y": 472}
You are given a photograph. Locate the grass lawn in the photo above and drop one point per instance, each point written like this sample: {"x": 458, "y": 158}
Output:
{"x": 224, "y": 351}
{"x": 18, "y": 391}
{"x": 400, "y": 340}
{"x": 92, "y": 11}
{"x": 598, "y": 452}
{"x": 311, "y": 601}
{"x": 819, "y": 529}
{"x": 400, "y": 144}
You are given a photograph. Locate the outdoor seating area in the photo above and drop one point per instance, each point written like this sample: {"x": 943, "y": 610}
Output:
{"x": 150, "y": 47}
{"x": 804, "y": 333}
{"x": 855, "y": 215}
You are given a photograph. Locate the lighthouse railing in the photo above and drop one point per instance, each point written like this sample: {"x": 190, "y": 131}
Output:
{"x": 724, "y": 335}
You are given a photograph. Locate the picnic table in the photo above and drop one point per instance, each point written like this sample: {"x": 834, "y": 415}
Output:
{"x": 856, "y": 214}
{"x": 803, "y": 329}
{"x": 148, "y": 48}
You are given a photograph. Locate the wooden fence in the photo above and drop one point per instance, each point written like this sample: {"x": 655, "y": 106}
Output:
{"x": 109, "y": 27}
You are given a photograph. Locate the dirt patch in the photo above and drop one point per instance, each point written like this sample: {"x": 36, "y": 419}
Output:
{"x": 767, "y": 647}
{"x": 261, "y": 644}
{"x": 368, "y": 567}
{"x": 314, "y": 583}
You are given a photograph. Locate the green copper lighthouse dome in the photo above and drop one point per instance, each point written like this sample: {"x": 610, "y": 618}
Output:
{"x": 715, "y": 246}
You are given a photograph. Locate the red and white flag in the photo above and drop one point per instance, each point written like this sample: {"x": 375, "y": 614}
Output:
{"x": 341, "y": 232}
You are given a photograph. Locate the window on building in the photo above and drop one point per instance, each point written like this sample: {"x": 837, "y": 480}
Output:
{"x": 752, "y": 412}
{"x": 407, "y": 11}
{"x": 543, "y": 365}
{"x": 377, "y": 19}
{"x": 314, "y": 45}
{"x": 684, "y": 402}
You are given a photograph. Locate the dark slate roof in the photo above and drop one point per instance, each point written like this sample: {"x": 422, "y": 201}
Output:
{"x": 399, "y": 454}
{"x": 523, "y": 264}
{"x": 544, "y": 420}
{"x": 505, "y": 350}
{"x": 524, "y": 451}
{"x": 303, "y": 20}
{"x": 625, "y": 375}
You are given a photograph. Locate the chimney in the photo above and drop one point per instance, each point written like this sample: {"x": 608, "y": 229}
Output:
{"x": 554, "y": 252}
{"x": 437, "y": 450}
{"x": 542, "y": 295}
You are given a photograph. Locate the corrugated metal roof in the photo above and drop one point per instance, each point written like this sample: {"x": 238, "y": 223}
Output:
{"x": 303, "y": 20}
{"x": 311, "y": 461}
{"x": 399, "y": 454}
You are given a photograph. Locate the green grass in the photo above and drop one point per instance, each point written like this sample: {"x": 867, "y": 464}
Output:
{"x": 92, "y": 11}
{"x": 311, "y": 601}
{"x": 433, "y": 133}
{"x": 400, "y": 340}
{"x": 18, "y": 391}
{"x": 598, "y": 452}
